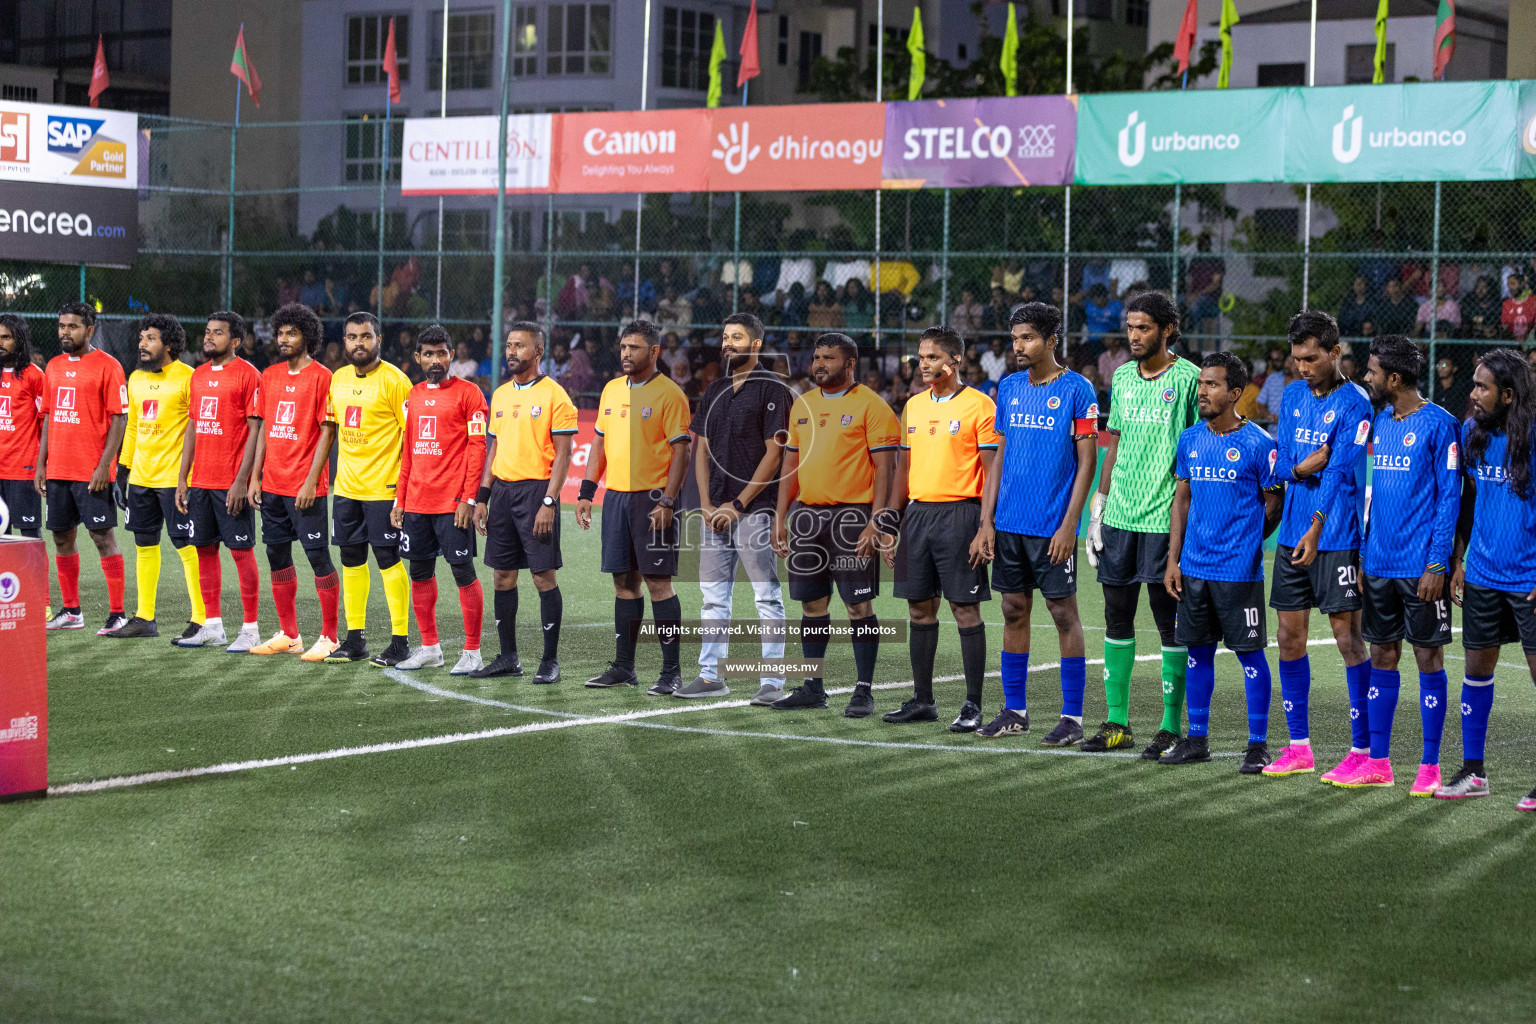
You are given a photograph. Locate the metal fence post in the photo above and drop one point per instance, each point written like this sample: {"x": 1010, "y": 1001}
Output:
{"x": 499, "y": 260}
{"x": 1434, "y": 293}
{"x": 549, "y": 269}
{"x": 1173, "y": 251}
{"x": 1066, "y": 263}
{"x": 229, "y": 226}
{"x": 1306, "y": 251}
{"x": 943, "y": 269}
{"x": 736, "y": 257}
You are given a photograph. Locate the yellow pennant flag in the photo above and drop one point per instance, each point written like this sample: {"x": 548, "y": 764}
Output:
{"x": 1380, "y": 74}
{"x": 1228, "y": 19}
{"x": 716, "y": 58}
{"x": 1009, "y": 63}
{"x": 918, "y": 55}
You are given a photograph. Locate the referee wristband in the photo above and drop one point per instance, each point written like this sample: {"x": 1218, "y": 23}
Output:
{"x": 888, "y": 520}
{"x": 483, "y": 496}
{"x": 588, "y": 490}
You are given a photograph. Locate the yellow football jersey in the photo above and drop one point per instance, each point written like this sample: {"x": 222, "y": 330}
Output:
{"x": 638, "y": 426}
{"x": 158, "y": 406}
{"x": 835, "y": 436}
{"x": 946, "y": 437}
{"x": 525, "y": 419}
{"x": 369, "y": 413}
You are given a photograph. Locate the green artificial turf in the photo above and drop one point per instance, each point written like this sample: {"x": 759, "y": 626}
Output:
{"x": 695, "y": 867}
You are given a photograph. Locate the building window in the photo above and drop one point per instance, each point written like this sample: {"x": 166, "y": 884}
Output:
{"x": 466, "y": 229}
{"x": 810, "y": 49}
{"x": 578, "y": 39}
{"x": 961, "y": 52}
{"x": 525, "y": 40}
{"x": 19, "y": 93}
{"x": 1279, "y": 226}
{"x": 1100, "y": 10}
{"x": 363, "y": 154}
{"x": 570, "y": 223}
{"x": 783, "y": 40}
{"x": 1136, "y": 12}
{"x": 394, "y": 226}
{"x": 1360, "y": 64}
{"x": 1273, "y": 75}
{"x": 686, "y": 39}
{"x": 471, "y": 41}
{"x": 366, "y": 36}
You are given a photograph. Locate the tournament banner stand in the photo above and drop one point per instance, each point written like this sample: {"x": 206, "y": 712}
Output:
{"x": 24, "y": 675}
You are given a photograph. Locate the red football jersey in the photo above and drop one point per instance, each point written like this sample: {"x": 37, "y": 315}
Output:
{"x": 21, "y": 420}
{"x": 82, "y": 396}
{"x": 293, "y": 406}
{"x": 223, "y": 397}
{"x": 444, "y": 446}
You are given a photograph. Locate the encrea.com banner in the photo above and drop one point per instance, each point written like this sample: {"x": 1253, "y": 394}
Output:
{"x": 69, "y": 224}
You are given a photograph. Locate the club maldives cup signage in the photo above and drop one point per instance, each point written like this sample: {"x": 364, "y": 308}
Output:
{"x": 1026, "y": 140}
{"x": 1154, "y": 138}
{"x": 69, "y": 180}
{"x": 457, "y": 155}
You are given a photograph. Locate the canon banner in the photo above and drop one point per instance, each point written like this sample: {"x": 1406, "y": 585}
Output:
{"x": 633, "y": 151}
{"x": 457, "y": 155}
{"x": 69, "y": 224}
{"x": 69, "y": 145}
{"x": 1156, "y": 138}
{"x": 1447, "y": 131}
{"x": 1025, "y": 140}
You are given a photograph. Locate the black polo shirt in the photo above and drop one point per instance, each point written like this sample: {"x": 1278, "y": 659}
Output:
{"x": 739, "y": 423}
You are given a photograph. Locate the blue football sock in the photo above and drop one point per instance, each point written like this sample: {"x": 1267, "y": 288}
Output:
{"x": 1199, "y": 684}
{"x": 1433, "y": 687}
{"x": 1476, "y": 703}
{"x": 1074, "y": 678}
{"x": 1382, "y": 700}
{"x": 1015, "y": 680}
{"x": 1357, "y": 679}
{"x": 1295, "y": 686}
{"x": 1256, "y": 685}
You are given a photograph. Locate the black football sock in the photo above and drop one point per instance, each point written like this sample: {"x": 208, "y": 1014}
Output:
{"x": 627, "y": 613}
{"x": 815, "y": 632}
{"x": 866, "y": 647}
{"x": 505, "y": 606}
{"x": 924, "y": 644}
{"x": 551, "y": 610}
{"x": 973, "y": 655}
{"x": 668, "y": 614}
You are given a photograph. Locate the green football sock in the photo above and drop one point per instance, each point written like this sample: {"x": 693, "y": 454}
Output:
{"x": 1175, "y": 660}
{"x": 1119, "y": 659}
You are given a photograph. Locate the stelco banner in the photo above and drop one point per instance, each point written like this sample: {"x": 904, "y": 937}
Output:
{"x": 69, "y": 180}
{"x": 1157, "y": 138}
{"x": 1025, "y": 140}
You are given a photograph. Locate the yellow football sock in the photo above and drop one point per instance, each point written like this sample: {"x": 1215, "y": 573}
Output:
{"x": 397, "y": 594}
{"x": 146, "y": 571}
{"x": 354, "y": 588}
{"x": 190, "y": 572}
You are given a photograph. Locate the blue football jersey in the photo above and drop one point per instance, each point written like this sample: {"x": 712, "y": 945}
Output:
{"x": 1040, "y": 425}
{"x": 1340, "y": 419}
{"x": 1415, "y": 493}
{"x": 1228, "y": 475}
{"x": 1501, "y": 554}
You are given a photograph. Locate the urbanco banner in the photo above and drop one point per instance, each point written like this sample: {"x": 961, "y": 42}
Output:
{"x": 1526, "y": 126}
{"x": 964, "y": 143}
{"x": 1428, "y": 131}
{"x": 633, "y": 151}
{"x": 53, "y": 145}
{"x": 810, "y": 147}
{"x": 457, "y": 155}
{"x": 1203, "y": 135}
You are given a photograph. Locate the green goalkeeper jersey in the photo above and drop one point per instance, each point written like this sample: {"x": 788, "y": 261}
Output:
{"x": 1149, "y": 414}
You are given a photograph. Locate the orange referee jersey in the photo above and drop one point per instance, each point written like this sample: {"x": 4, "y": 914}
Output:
{"x": 524, "y": 420}
{"x": 946, "y": 437}
{"x": 638, "y": 426}
{"x": 835, "y": 436}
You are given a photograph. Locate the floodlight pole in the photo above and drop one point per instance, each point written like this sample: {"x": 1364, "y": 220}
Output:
{"x": 645, "y": 81}
{"x": 499, "y": 261}
{"x": 879, "y": 98}
{"x": 1066, "y": 210}
{"x": 442, "y": 112}
{"x": 1306, "y": 231}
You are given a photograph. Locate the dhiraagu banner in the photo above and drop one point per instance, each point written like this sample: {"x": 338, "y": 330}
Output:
{"x": 1199, "y": 135}
{"x": 1447, "y": 131}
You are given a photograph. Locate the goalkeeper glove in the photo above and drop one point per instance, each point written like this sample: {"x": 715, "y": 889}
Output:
{"x": 120, "y": 487}
{"x": 1096, "y": 527}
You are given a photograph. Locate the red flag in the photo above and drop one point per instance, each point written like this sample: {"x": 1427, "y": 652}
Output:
{"x": 749, "y": 69}
{"x": 99, "y": 77}
{"x": 1184, "y": 42}
{"x": 392, "y": 64}
{"x": 241, "y": 67}
{"x": 1445, "y": 37}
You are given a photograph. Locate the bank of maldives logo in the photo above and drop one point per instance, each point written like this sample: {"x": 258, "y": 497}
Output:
{"x": 80, "y": 138}
{"x": 15, "y": 145}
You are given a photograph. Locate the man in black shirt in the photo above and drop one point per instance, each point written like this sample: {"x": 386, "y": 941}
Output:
{"x": 741, "y": 423}
{"x": 1396, "y": 311}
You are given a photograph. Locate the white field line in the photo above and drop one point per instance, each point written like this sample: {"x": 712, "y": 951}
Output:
{"x": 230, "y": 767}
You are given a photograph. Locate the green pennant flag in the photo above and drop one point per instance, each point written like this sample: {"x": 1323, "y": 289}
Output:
{"x": 716, "y": 59}
{"x": 1380, "y": 74}
{"x": 916, "y": 52}
{"x": 1010, "y": 59}
{"x": 1228, "y": 19}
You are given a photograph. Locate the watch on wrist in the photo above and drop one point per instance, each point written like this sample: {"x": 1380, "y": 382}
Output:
{"x": 666, "y": 502}
{"x": 548, "y": 501}
{"x": 738, "y": 506}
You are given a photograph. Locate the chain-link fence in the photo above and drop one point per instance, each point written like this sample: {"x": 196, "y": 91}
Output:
{"x": 1240, "y": 259}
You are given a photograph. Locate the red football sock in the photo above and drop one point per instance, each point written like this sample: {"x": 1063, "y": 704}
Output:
{"x": 210, "y": 577}
{"x": 472, "y": 604}
{"x": 285, "y": 593}
{"x": 112, "y": 569}
{"x": 250, "y": 581}
{"x": 424, "y": 598}
{"x": 69, "y": 579}
{"x": 330, "y": 598}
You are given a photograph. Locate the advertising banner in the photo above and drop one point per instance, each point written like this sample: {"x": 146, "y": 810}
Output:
{"x": 581, "y": 451}
{"x": 69, "y": 224}
{"x": 1021, "y": 140}
{"x": 51, "y": 145}
{"x": 633, "y": 151}
{"x": 1525, "y": 157}
{"x": 24, "y": 683}
{"x": 1157, "y": 138}
{"x": 815, "y": 146}
{"x": 448, "y": 156}
{"x": 1448, "y": 131}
